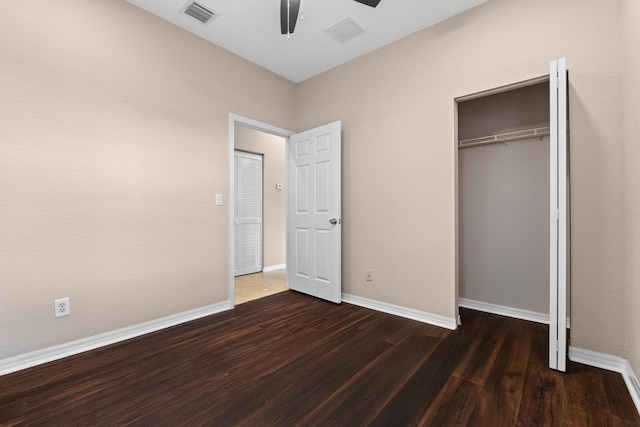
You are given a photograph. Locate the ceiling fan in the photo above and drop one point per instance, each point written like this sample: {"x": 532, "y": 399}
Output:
{"x": 289, "y": 10}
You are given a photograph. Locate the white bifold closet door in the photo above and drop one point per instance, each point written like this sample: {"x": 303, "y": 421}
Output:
{"x": 559, "y": 218}
{"x": 248, "y": 212}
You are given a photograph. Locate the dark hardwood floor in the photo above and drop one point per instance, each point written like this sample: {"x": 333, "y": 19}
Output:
{"x": 290, "y": 359}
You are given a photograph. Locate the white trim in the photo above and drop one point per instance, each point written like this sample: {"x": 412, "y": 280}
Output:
{"x": 260, "y": 126}
{"x": 502, "y": 310}
{"x": 597, "y": 360}
{"x": 558, "y": 215}
{"x": 235, "y": 119}
{"x": 563, "y": 220}
{"x": 610, "y": 363}
{"x": 631, "y": 380}
{"x": 274, "y": 268}
{"x": 502, "y": 89}
{"x": 38, "y": 357}
{"x": 553, "y": 218}
{"x": 396, "y": 310}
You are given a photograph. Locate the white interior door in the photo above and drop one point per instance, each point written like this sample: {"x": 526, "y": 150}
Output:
{"x": 247, "y": 223}
{"x": 559, "y": 218}
{"x": 314, "y": 228}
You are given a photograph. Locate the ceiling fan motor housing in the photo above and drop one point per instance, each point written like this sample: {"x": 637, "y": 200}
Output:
{"x": 372, "y": 3}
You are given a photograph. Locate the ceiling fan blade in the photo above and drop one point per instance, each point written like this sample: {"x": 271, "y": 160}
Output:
{"x": 289, "y": 10}
{"x": 372, "y": 3}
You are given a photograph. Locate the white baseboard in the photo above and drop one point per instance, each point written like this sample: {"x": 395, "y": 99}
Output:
{"x": 502, "y": 310}
{"x": 631, "y": 380}
{"x": 50, "y": 354}
{"x": 274, "y": 268}
{"x": 396, "y": 310}
{"x": 610, "y": 363}
{"x": 597, "y": 360}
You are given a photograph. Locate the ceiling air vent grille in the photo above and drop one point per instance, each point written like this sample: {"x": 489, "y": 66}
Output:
{"x": 199, "y": 12}
{"x": 345, "y": 31}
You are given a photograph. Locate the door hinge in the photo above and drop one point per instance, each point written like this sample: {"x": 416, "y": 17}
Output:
{"x": 556, "y": 215}
{"x": 557, "y": 345}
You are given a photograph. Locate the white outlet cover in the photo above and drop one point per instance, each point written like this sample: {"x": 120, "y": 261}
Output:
{"x": 61, "y": 307}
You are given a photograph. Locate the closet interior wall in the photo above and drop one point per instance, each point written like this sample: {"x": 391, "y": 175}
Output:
{"x": 503, "y": 198}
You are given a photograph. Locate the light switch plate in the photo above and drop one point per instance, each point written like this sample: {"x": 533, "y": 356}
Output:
{"x": 218, "y": 199}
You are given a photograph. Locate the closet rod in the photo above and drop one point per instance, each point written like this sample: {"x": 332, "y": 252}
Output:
{"x": 504, "y": 137}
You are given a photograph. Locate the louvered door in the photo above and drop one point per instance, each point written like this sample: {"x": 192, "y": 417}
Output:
{"x": 248, "y": 212}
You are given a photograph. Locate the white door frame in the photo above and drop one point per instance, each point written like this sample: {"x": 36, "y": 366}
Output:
{"x": 234, "y": 120}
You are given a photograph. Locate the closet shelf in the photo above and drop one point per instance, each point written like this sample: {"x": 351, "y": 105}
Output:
{"x": 504, "y": 137}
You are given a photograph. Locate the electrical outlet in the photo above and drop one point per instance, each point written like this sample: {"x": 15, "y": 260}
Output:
{"x": 61, "y": 307}
{"x": 369, "y": 275}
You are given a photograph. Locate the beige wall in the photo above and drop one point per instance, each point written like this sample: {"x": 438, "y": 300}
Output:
{"x": 397, "y": 109}
{"x": 631, "y": 43}
{"x": 273, "y": 149}
{"x": 114, "y": 143}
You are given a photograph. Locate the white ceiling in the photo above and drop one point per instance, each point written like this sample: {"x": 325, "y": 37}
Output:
{"x": 251, "y": 29}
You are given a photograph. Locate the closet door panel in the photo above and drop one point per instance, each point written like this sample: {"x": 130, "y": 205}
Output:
{"x": 558, "y": 217}
{"x": 248, "y": 208}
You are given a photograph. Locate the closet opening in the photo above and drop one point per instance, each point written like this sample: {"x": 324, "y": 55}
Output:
{"x": 503, "y": 192}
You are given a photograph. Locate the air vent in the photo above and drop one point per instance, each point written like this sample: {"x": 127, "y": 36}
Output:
{"x": 199, "y": 12}
{"x": 345, "y": 31}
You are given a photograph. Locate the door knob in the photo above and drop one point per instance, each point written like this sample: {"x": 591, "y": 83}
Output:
{"x": 334, "y": 221}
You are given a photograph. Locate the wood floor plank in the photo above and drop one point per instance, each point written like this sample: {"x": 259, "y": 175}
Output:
{"x": 481, "y": 355}
{"x": 498, "y": 401}
{"x": 426, "y": 382}
{"x": 618, "y": 399}
{"x": 545, "y": 399}
{"x": 315, "y": 375}
{"x": 290, "y": 359}
{"x": 358, "y": 401}
{"x": 453, "y": 406}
